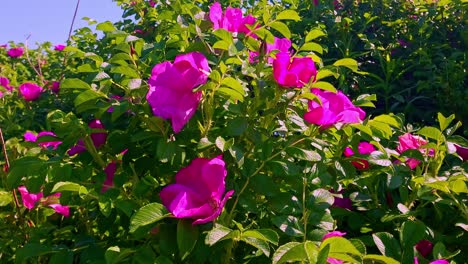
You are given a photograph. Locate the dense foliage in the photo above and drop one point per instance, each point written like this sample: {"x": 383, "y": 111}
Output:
{"x": 240, "y": 131}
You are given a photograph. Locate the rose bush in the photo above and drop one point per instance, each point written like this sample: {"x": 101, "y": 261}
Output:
{"x": 190, "y": 151}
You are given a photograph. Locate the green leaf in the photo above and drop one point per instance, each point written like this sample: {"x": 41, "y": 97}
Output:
{"x": 387, "y": 119}
{"x": 444, "y": 122}
{"x": 223, "y": 35}
{"x": 371, "y": 258}
{"x": 125, "y": 70}
{"x": 431, "y": 132}
{"x": 289, "y": 225}
{"x": 387, "y": 244}
{"x": 116, "y": 255}
{"x": 288, "y": 15}
{"x": 31, "y": 250}
{"x": 281, "y": 28}
{"x": 313, "y": 34}
{"x": 258, "y": 243}
{"x": 348, "y": 63}
{"x": 267, "y": 235}
{"x": 323, "y": 73}
{"x": 381, "y": 128}
{"x": 74, "y": 84}
{"x": 303, "y": 154}
{"x": 87, "y": 96}
{"x": 218, "y": 233}
{"x": 410, "y": 233}
{"x": 296, "y": 251}
{"x": 187, "y": 236}
{"x": 221, "y": 44}
{"x": 105, "y": 27}
{"x": 324, "y": 86}
{"x": 234, "y": 84}
{"x": 456, "y": 186}
{"x": 312, "y": 46}
{"x": 147, "y": 215}
{"x": 340, "y": 245}
{"x": 231, "y": 94}
{"x": 70, "y": 187}
{"x": 5, "y": 198}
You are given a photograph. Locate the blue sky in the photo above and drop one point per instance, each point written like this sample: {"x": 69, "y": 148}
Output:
{"x": 49, "y": 20}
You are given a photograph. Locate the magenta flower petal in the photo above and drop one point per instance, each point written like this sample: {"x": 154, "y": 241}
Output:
{"x": 30, "y": 136}
{"x": 216, "y": 15}
{"x": 98, "y": 138}
{"x": 30, "y": 91}
{"x": 15, "y": 52}
{"x": 59, "y": 47}
{"x": 335, "y": 108}
{"x": 29, "y": 199}
{"x": 333, "y": 234}
{"x": 334, "y": 261}
{"x": 198, "y": 191}
{"x": 295, "y": 73}
{"x": 6, "y": 83}
{"x": 439, "y": 261}
{"x": 53, "y": 144}
{"x": 424, "y": 247}
{"x": 110, "y": 170}
{"x": 61, "y": 209}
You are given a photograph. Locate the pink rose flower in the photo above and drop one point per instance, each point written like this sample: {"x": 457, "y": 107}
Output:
{"x": 333, "y": 234}
{"x": 98, "y": 138}
{"x": 232, "y": 20}
{"x": 30, "y": 136}
{"x": 30, "y": 91}
{"x": 29, "y": 199}
{"x": 198, "y": 191}
{"x": 335, "y": 108}
{"x": 408, "y": 141}
{"x": 15, "y": 52}
{"x": 424, "y": 247}
{"x": 295, "y": 73}
{"x": 364, "y": 148}
{"x": 152, "y": 3}
{"x": 280, "y": 44}
{"x": 171, "y": 87}
{"x": 5, "y": 83}
{"x": 59, "y": 47}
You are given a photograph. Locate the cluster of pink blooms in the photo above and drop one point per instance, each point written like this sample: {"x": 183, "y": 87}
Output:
{"x": 30, "y": 200}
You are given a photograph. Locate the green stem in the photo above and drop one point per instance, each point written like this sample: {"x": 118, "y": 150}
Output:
{"x": 305, "y": 213}
{"x": 92, "y": 150}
